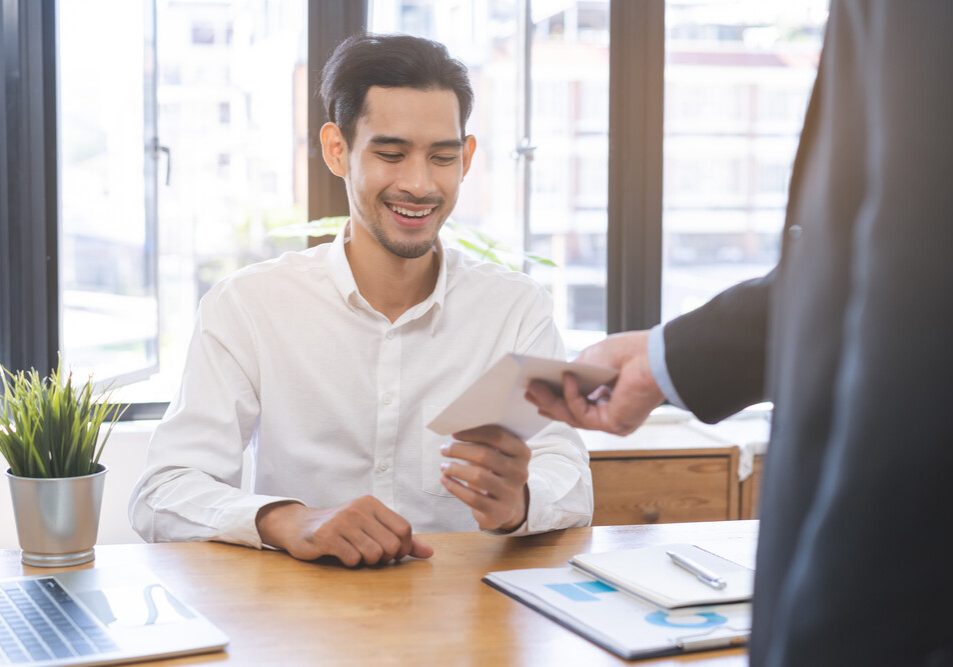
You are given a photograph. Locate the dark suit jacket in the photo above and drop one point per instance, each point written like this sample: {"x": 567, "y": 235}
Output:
{"x": 851, "y": 337}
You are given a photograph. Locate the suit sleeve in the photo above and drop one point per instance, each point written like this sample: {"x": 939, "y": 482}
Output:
{"x": 715, "y": 355}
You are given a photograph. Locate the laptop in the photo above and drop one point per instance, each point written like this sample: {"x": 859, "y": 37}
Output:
{"x": 98, "y": 616}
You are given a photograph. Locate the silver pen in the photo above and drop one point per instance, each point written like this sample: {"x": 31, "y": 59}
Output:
{"x": 704, "y": 575}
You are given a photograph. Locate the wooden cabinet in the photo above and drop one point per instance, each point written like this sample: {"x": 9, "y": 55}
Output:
{"x": 668, "y": 473}
{"x": 665, "y": 486}
{"x": 751, "y": 490}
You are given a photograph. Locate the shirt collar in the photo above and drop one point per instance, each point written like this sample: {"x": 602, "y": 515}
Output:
{"x": 344, "y": 281}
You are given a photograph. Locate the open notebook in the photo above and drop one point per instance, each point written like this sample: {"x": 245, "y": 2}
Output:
{"x": 651, "y": 573}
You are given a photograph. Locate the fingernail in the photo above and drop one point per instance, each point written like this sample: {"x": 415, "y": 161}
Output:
{"x": 445, "y": 446}
{"x": 444, "y": 465}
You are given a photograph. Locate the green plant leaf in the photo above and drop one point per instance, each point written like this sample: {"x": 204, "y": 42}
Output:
{"x": 50, "y": 427}
{"x": 544, "y": 261}
{"x": 327, "y": 226}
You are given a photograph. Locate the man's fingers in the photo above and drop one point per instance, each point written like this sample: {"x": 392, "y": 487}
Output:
{"x": 420, "y": 549}
{"x": 486, "y": 445}
{"x": 494, "y": 436}
{"x": 550, "y": 404}
{"x": 483, "y": 456}
{"x": 345, "y": 552}
{"x": 541, "y": 395}
{"x": 472, "y": 498}
{"x": 398, "y": 526}
{"x": 371, "y": 551}
{"x": 476, "y": 478}
{"x": 389, "y": 543}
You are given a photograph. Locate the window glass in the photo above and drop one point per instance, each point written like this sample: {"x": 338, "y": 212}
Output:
{"x": 108, "y": 308}
{"x": 232, "y": 109}
{"x": 568, "y": 95}
{"x": 738, "y": 74}
{"x": 232, "y": 97}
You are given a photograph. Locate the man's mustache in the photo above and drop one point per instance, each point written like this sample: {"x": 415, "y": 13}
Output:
{"x": 406, "y": 199}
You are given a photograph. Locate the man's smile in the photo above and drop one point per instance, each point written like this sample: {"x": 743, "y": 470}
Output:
{"x": 410, "y": 215}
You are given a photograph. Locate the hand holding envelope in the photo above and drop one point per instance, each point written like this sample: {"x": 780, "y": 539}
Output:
{"x": 498, "y": 396}
{"x": 491, "y": 422}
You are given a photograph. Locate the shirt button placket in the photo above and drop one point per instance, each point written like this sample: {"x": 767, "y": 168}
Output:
{"x": 388, "y": 416}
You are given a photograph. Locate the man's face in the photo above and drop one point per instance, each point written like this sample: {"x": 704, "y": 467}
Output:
{"x": 404, "y": 167}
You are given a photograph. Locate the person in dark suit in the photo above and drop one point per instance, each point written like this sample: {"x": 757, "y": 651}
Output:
{"x": 851, "y": 337}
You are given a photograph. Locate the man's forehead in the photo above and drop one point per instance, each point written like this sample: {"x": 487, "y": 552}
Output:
{"x": 420, "y": 116}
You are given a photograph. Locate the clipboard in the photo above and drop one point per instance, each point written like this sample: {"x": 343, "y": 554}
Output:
{"x": 623, "y": 624}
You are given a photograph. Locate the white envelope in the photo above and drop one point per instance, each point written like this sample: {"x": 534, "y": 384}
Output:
{"x": 497, "y": 396}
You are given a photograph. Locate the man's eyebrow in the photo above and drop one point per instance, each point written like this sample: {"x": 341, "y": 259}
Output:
{"x": 447, "y": 143}
{"x": 386, "y": 140}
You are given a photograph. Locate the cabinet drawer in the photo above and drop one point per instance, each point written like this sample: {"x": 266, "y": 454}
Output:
{"x": 663, "y": 490}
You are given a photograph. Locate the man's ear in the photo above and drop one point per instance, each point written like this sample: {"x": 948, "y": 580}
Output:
{"x": 469, "y": 147}
{"x": 334, "y": 149}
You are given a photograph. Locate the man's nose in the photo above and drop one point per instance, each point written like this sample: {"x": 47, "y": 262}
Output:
{"x": 416, "y": 177}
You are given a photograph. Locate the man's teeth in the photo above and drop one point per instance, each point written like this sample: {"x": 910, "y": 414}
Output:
{"x": 409, "y": 213}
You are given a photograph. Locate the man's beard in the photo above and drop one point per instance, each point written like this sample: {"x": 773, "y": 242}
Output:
{"x": 407, "y": 250}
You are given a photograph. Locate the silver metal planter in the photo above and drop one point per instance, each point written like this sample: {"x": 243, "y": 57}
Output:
{"x": 57, "y": 519}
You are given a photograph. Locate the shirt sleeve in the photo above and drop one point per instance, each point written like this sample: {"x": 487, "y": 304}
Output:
{"x": 191, "y": 487}
{"x": 560, "y": 482}
{"x": 659, "y": 369}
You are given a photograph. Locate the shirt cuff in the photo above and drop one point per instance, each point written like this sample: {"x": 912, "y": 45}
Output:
{"x": 544, "y": 512}
{"x": 241, "y": 527}
{"x": 659, "y": 368}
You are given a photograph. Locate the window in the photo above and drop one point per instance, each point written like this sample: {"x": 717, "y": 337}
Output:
{"x": 221, "y": 89}
{"x": 203, "y": 33}
{"x": 539, "y": 179}
{"x": 737, "y": 79}
{"x": 130, "y": 288}
{"x": 108, "y": 291}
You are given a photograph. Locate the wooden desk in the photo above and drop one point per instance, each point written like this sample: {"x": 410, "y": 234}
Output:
{"x": 279, "y": 611}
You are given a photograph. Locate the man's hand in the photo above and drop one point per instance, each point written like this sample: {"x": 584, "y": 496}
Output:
{"x": 620, "y": 410}
{"x": 492, "y": 477}
{"x": 361, "y": 531}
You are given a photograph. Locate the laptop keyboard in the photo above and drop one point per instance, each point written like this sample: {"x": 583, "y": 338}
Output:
{"x": 41, "y": 621}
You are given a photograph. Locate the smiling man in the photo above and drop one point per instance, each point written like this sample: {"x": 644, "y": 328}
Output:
{"x": 328, "y": 363}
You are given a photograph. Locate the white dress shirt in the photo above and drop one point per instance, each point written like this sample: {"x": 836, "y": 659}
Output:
{"x": 289, "y": 359}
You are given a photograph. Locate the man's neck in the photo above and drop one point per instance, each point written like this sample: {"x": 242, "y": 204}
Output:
{"x": 391, "y": 284}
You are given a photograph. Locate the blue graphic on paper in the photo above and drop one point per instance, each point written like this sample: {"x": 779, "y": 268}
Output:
{"x": 572, "y": 592}
{"x": 596, "y": 587}
{"x": 582, "y": 592}
{"x": 709, "y": 619}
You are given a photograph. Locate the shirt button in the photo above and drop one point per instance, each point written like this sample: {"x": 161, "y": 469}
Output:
{"x": 795, "y": 231}
{"x": 390, "y": 335}
{"x": 387, "y": 399}
{"x": 382, "y": 466}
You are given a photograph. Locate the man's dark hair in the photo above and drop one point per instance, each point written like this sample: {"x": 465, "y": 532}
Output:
{"x": 390, "y": 61}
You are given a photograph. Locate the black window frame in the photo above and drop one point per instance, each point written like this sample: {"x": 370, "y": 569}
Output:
{"x": 29, "y": 273}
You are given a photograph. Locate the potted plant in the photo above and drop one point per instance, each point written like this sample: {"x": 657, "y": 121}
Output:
{"x": 49, "y": 432}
